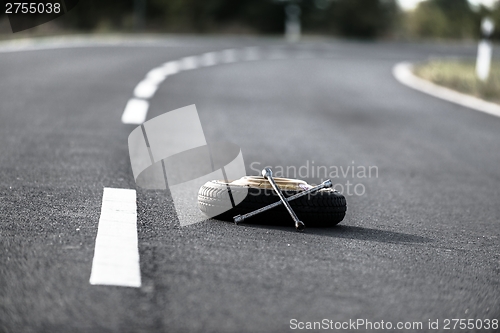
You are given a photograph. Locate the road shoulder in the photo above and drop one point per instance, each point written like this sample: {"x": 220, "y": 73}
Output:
{"x": 403, "y": 73}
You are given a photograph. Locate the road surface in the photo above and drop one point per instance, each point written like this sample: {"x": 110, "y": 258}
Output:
{"x": 420, "y": 244}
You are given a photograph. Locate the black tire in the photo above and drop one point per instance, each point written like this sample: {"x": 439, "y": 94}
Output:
{"x": 323, "y": 208}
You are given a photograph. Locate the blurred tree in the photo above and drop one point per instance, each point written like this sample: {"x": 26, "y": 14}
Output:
{"x": 91, "y": 14}
{"x": 353, "y": 18}
{"x": 364, "y": 18}
{"x": 443, "y": 19}
{"x": 427, "y": 20}
{"x": 495, "y": 15}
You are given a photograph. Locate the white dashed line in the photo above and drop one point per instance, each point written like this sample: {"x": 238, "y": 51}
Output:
{"x": 74, "y": 41}
{"x": 252, "y": 54}
{"x": 228, "y": 56}
{"x": 137, "y": 108}
{"x": 170, "y": 68}
{"x": 145, "y": 89}
{"x": 157, "y": 75}
{"x": 116, "y": 254}
{"x": 189, "y": 63}
{"x": 208, "y": 59}
{"x": 135, "y": 112}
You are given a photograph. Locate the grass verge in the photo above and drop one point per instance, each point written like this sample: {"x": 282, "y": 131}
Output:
{"x": 460, "y": 75}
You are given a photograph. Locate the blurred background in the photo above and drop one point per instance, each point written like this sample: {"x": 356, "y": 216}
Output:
{"x": 360, "y": 19}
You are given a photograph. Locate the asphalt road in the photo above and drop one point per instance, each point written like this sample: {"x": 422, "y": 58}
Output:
{"x": 422, "y": 242}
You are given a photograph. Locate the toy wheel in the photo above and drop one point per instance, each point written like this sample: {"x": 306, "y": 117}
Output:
{"x": 326, "y": 207}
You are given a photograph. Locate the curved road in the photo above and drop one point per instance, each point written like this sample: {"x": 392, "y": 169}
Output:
{"x": 420, "y": 244}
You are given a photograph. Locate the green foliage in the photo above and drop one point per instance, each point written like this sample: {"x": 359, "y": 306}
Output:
{"x": 428, "y": 20}
{"x": 364, "y": 18}
{"x": 179, "y": 15}
{"x": 461, "y": 76}
{"x": 352, "y": 18}
{"x": 448, "y": 19}
{"x": 355, "y": 18}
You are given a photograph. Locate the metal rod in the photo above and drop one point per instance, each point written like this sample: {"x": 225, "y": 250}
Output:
{"x": 241, "y": 218}
{"x": 268, "y": 174}
{"x": 325, "y": 184}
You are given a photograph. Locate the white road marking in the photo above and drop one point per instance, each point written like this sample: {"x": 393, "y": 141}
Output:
{"x": 171, "y": 67}
{"x": 252, "y": 54}
{"x": 137, "y": 108}
{"x": 208, "y": 59}
{"x": 403, "y": 73}
{"x": 135, "y": 112}
{"x": 116, "y": 254}
{"x": 145, "y": 89}
{"x": 189, "y": 63}
{"x": 56, "y": 43}
{"x": 156, "y": 75}
{"x": 228, "y": 56}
